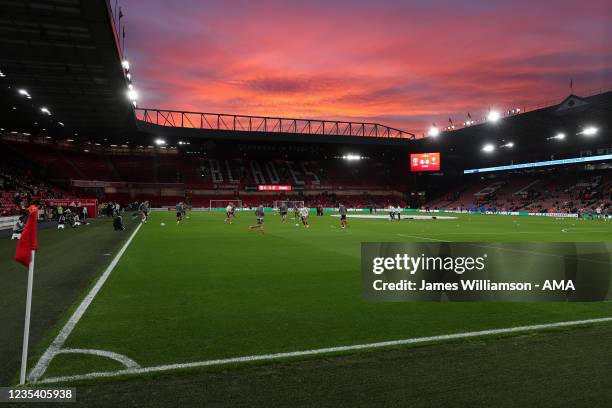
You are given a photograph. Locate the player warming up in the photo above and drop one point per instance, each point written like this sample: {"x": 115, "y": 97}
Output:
{"x": 144, "y": 209}
{"x": 229, "y": 213}
{"x": 296, "y": 212}
{"x": 342, "y": 211}
{"x": 391, "y": 213}
{"x": 259, "y": 214}
{"x": 304, "y": 212}
{"x": 180, "y": 212}
{"x": 283, "y": 212}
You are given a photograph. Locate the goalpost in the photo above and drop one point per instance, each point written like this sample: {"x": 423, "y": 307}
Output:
{"x": 223, "y": 203}
{"x": 290, "y": 204}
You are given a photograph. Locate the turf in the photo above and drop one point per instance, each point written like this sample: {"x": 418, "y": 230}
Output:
{"x": 561, "y": 368}
{"x": 205, "y": 290}
{"x": 66, "y": 263}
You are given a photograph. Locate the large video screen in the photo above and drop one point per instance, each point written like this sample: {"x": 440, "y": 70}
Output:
{"x": 425, "y": 162}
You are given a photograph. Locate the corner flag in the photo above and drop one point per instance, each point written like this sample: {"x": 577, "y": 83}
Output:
{"x": 26, "y": 248}
{"x": 28, "y": 242}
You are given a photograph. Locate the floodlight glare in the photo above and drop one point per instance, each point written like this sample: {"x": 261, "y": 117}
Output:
{"x": 560, "y": 136}
{"x": 45, "y": 110}
{"x": 351, "y": 157}
{"x": 493, "y": 116}
{"x": 488, "y": 148}
{"x": 160, "y": 142}
{"x": 132, "y": 94}
{"x": 433, "y": 131}
{"x": 590, "y": 131}
{"x": 23, "y": 92}
{"x": 125, "y": 64}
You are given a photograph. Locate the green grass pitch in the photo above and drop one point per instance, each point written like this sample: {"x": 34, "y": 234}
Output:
{"x": 207, "y": 290}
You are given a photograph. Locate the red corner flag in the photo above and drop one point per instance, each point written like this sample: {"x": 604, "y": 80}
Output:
{"x": 28, "y": 243}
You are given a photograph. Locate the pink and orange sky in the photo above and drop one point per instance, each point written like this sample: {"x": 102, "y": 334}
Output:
{"x": 406, "y": 64}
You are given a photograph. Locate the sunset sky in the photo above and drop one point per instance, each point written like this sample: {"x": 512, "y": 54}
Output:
{"x": 406, "y": 64}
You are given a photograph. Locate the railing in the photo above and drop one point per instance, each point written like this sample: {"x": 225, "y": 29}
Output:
{"x": 240, "y": 123}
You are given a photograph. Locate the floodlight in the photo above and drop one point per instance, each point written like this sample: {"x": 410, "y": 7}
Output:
{"x": 132, "y": 94}
{"x": 488, "y": 148}
{"x": 590, "y": 131}
{"x": 160, "y": 142}
{"x": 493, "y": 116}
{"x": 45, "y": 110}
{"x": 433, "y": 131}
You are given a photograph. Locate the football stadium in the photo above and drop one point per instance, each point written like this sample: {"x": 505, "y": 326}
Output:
{"x": 184, "y": 224}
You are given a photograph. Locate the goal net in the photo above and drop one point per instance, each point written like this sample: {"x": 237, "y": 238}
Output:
{"x": 290, "y": 204}
{"x": 222, "y": 204}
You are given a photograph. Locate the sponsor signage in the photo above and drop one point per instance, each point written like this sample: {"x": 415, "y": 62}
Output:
{"x": 273, "y": 187}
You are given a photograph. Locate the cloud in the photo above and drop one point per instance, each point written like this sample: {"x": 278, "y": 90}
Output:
{"x": 408, "y": 63}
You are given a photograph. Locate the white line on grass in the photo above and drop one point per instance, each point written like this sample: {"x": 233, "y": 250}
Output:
{"x": 508, "y": 249}
{"x": 125, "y": 360}
{"x": 427, "y": 238}
{"x": 39, "y": 370}
{"x": 277, "y": 356}
{"x": 517, "y": 232}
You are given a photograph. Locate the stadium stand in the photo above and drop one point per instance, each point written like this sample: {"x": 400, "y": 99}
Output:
{"x": 560, "y": 191}
{"x": 165, "y": 177}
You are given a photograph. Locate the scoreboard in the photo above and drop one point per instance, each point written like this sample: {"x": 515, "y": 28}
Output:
{"x": 425, "y": 162}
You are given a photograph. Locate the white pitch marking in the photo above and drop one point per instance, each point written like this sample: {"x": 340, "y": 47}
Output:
{"x": 504, "y": 249}
{"x": 511, "y": 232}
{"x": 277, "y": 356}
{"x": 404, "y": 217}
{"x": 125, "y": 360}
{"x": 40, "y": 368}
{"x": 419, "y": 237}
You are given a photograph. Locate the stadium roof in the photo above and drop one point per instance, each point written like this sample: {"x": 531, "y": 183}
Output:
{"x": 532, "y": 136}
{"x": 65, "y": 55}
